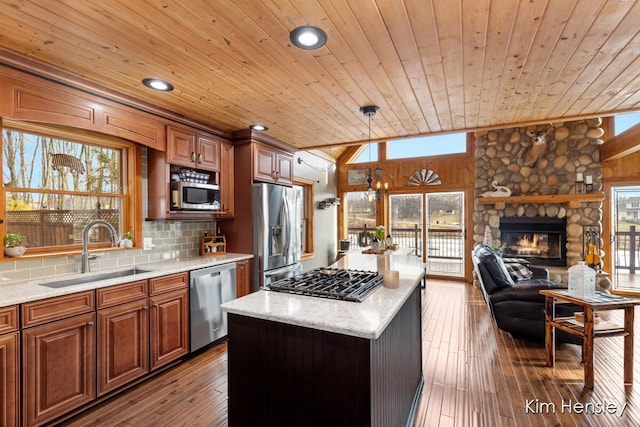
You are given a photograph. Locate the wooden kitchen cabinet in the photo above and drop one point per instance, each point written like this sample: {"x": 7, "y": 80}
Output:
{"x": 123, "y": 344}
{"x": 186, "y": 147}
{"x": 217, "y": 157}
{"x": 169, "y": 318}
{"x": 123, "y": 334}
{"x": 208, "y": 149}
{"x": 227, "y": 171}
{"x": 10, "y": 367}
{"x": 272, "y": 165}
{"x": 58, "y": 364}
{"x": 243, "y": 286}
{"x": 169, "y": 327}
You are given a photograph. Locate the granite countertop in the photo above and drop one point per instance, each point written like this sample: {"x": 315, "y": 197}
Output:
{"x": 367, "y": 319}
{"x": 31, "y": 290}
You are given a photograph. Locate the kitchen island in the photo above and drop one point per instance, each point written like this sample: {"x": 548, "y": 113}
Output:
{"x": 301, "y": 360}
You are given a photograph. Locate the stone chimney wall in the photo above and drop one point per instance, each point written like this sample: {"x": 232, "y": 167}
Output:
{"x": 573, "y": 147}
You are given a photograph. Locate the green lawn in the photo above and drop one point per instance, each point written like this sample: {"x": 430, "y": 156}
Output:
{"x": 624, "y": 226}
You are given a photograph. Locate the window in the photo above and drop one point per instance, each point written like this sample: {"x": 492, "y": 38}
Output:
{"x": 305, "y": 208}
{"x": 368, "y": 154}
{"x": 427, "y": 146}
{"x": 55, "y": 182}
{"x": 622, "y": 122}
{"x": 361, "y": 218}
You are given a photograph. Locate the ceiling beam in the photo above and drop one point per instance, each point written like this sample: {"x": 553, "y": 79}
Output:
{"x": 622, "y": 145}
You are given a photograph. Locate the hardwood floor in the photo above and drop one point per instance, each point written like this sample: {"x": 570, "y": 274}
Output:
{"x": 475, "y": 375}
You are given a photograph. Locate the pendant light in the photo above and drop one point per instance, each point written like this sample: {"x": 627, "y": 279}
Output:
{"x": 369, "y": 111}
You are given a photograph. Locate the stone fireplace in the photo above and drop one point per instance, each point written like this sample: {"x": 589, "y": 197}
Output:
{"x": 539, "y": 240}
{"x": 573, "y": 148}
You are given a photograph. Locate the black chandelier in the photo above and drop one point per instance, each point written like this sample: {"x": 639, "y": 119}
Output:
{"x": 370, "y": 111}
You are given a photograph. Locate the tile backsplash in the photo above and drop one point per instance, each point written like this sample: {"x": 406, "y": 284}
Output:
{"x": 170, "y": 240}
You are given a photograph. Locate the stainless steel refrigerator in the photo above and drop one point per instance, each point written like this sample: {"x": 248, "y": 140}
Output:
{"x": 276, "y": 238}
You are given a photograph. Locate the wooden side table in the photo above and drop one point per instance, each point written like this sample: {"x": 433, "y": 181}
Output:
{"x": 588, "y": 330}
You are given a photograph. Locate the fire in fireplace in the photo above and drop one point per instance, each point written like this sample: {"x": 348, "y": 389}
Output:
{"x": 539, "y": 240}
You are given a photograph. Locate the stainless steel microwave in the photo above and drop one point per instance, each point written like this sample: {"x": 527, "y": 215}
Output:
{"x": 194, "y": 196}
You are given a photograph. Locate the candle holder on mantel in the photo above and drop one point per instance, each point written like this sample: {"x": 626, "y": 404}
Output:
{"x": 588, "y": 183}
{"x": 580, "y": 183}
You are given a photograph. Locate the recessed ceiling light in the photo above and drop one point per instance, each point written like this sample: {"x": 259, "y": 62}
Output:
{"x": 158, "y": 84}
{"x": 308, "y": 37}
{"x": 258, "y": 127}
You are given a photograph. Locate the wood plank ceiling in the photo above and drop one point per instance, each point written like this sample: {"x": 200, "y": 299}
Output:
{"x": 432, "y": 66}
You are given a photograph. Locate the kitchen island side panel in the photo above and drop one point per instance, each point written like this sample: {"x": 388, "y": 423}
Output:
{"x": 286, "y": 375}
{"x": 396, "y": 366}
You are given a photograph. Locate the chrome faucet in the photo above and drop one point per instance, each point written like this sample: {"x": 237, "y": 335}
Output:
{"x": 85, "y": 240}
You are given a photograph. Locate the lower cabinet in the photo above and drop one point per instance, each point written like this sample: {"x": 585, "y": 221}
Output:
{"x": 169, "y": 325}
{"x": 123, "y": 344}
{"x": 9, "y": 378}
{"x": 70, "y": 359}
{"x": 58, "y": 363}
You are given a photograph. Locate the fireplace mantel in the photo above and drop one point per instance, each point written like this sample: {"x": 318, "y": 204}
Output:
{"x": 573, "y": 200}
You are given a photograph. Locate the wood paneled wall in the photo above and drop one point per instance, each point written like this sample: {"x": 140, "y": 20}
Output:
{"x": 455, "y": 170}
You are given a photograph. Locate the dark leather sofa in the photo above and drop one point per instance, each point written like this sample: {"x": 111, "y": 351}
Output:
{"x": 517, "y": 306}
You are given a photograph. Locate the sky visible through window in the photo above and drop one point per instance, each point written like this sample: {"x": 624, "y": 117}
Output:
{"x": 626, "y": 121}
{"x": 427, "y": 146}
{"x": 364, "y": 156}
{"x": 422, "y": 146}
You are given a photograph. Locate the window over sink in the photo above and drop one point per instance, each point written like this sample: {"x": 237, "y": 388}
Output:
{"x": 56, "y": 180}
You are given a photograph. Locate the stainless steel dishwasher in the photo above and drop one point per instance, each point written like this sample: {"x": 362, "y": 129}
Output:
{"x": 208, "y": 289}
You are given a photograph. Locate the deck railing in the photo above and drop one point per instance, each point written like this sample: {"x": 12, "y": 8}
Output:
{"x": 442, "y": 243}
{"x": 627, "y": 245}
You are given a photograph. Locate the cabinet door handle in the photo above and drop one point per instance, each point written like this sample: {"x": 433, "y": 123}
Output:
{"x": 145, "y": 308}
{"x": 89, "y": 323}
{"x": 193, "y": 156}
{"x": 199, "y": 157}
{"x": 155, "y": 305}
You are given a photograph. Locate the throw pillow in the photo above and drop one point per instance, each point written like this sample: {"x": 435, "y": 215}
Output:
{"x": 519, "y": 271}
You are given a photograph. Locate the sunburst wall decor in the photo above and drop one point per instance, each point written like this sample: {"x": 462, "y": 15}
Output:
{"x": 424, "y": 177}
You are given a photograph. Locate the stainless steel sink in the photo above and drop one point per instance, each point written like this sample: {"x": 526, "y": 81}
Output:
{"x": 94, "y": 278}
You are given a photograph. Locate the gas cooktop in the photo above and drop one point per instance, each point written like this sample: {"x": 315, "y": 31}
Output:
{"x": 335, "y": 283}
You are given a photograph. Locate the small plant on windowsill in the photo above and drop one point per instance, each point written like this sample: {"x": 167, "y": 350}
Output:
{"x": 14, "y": 244}
{"x": 127, "y": 240}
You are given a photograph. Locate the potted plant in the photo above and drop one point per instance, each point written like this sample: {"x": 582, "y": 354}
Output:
{"x": 14, "y": 244}
{"x": 127, "y": 240}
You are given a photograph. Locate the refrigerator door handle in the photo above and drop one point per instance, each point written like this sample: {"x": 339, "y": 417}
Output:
{"x": 286, "y": 269}
{"x": 286, "y": 228}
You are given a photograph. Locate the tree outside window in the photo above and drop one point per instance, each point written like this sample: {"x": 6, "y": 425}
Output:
{"x": 53, "y": 186}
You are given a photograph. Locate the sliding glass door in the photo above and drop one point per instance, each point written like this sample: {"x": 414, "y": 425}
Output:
{"x": 444, "y": 234}
{"x": 626, "y": 237}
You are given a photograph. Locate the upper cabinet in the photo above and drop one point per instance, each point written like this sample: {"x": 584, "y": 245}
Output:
{"x": 191, "y": 148}
{"x": 272, "y": 165}
{"x": 186, "y": 147}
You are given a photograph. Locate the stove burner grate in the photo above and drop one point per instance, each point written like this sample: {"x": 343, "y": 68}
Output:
{"x": 335, "y": 283}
